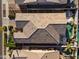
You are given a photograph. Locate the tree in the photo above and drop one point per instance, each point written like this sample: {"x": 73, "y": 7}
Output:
{"x": 11, "y": 43}
{"x": 69, "y": 50}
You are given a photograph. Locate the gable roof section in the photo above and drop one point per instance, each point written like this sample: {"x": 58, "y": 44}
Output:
{"x": 49, "y": 35}
{"x": 53, "y": 32}
{"x": 60, "y": 28}
{"x": 39, "y": 36}
{"x": 42, "y": 36}
{"x": 28, "y": 29}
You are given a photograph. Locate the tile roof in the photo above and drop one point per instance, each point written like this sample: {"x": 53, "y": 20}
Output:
{"x": 50, "y": 34}
{"x": 39, "y": 36}
{"x": 27, "y": 1}
{"x": 41, "y": 4}
{"x": 37, "y": 54}
{"x": 50, "y": 55}
{"x": 21, "y": 24}
{"x": 42, "y": 36}
{"x": 60, "y": 28}
{"x": 46, "y": 5}
{"x": 28, "y": 29}
{"x": 42, "y": 20}
{"x": 45, "y": 1}
{"x": 19, "y": 35}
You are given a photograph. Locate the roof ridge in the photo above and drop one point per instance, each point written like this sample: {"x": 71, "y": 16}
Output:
{"x": 52, "y": 36}
{"x": 33, "y": 29}
{"x": 48, "y": 28}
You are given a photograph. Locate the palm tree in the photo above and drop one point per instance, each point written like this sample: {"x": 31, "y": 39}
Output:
{"x": 70, "y": 50}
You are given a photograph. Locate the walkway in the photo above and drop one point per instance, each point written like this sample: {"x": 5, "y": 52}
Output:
{"x": 1, "y": 33}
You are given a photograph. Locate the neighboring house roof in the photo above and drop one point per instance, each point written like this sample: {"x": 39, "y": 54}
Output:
{"x": 23, "y": 5}
{"x": 44, "y": 4}
{"x": 60, "y": 28}
{"x": 43, "y": 36}
{"x": 39, "y": 36}
{"x": 50, "y": 55}
{"x": 42, "y": 20}
{"x": 56, "y": 1}
{"x": 52, "y": 32}
{"x": 37, "y": 54}
{"x": 51, "y": 35}
{"x": 27, "y": 1}
{"x": 27, "y": 27}
{"x": 40, "y": 6}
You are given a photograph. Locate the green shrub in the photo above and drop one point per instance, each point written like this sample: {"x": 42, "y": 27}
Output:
{"x": 11, "y": 43}
{"x": 69, "y": 50}
{"x": 10, "y": 28}
{"x": 5, "y": 28}
{"x": 11, "y": 17}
